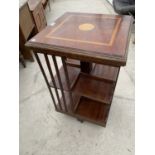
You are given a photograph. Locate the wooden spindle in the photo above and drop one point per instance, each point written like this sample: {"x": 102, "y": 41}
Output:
{"x": 67, "y": 80}
{"x": 52, "y": 78}
{"x": 46, "y": 80}
{"x": 60, "y": 82}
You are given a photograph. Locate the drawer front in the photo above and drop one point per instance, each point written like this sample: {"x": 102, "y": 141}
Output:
{"x": 39, "y": 17}
{"x": 25, "y": 21}
{"x": 43, "y": 17}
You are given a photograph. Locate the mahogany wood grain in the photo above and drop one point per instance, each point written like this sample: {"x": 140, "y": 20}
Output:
{"x": 105, "y": 72}
{"x": 85, "y": 86}
{"x": 86, "y": 109}
{"x": 107, "y": 43}
{"x": 100, "y": 72}
{"x": 97, "y": 42}
{"x": 93, "y": 110}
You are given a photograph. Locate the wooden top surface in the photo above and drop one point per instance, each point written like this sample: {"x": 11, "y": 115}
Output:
{"x": 99, "y": 37}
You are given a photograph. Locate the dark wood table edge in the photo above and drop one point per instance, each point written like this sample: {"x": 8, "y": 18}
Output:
{"x": 63, "y": 51}
{"x": 107, "y": 60}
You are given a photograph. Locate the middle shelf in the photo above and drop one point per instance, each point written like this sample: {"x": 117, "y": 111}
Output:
{"x": 99, "y": 72}
{"x": 85, "y": 85}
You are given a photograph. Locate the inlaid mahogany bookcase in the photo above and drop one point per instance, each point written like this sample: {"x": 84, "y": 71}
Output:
{"x": 91, "y": 48}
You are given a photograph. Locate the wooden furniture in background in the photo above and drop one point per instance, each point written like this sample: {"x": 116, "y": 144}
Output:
{"x": 45, "y": 2}
{"x": 37, "y": 11}
{"x": 21, "y": 59}
{"x": 101, "y": 40}
{"x": 26, "y": 29}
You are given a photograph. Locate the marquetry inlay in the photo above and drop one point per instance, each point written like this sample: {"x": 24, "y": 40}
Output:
{"x": 86, "y": 27}
{"x": 82, "y": 26}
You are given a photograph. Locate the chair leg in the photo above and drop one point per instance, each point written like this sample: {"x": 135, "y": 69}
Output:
{"x": 21, "y": 59}
{"x": 49, "y": 5}
{"x": 133, "y": 40}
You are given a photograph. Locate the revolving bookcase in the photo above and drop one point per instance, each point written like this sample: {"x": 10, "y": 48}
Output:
{"x": 80, "y": 56}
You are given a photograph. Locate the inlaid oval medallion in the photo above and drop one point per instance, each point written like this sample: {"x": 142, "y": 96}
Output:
{"x": 86, "y": 27}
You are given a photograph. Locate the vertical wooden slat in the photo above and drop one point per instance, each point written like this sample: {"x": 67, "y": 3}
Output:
{"x": 116, "y": 81}
{"x": 67, "y": 80}
{"x": 46, "y": 80}
{"x": 60, "y": 83}
{"x": 53, "y": 80}
{"x": 117, "y": 77}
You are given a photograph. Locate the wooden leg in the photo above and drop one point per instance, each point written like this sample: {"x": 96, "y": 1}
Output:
{"x": 21, "y": 59}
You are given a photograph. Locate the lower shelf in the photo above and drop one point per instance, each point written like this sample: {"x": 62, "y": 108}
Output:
{"x": 92, "y": 111}
{"x": 86, "y": 109}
